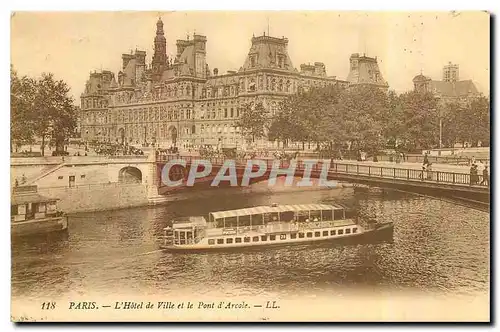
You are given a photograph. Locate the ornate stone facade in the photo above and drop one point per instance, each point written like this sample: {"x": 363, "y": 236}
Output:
{"x": 183, "y": 103}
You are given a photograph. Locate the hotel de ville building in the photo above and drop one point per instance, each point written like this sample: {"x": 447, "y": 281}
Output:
{"x": 181, "y": 102}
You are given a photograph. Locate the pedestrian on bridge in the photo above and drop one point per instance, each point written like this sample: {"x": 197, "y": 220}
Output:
{"x": 486, "y": 177}
{"x": 473, "y": 174}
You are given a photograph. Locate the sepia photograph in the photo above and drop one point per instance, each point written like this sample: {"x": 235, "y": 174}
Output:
{"x": 250, "y": 166}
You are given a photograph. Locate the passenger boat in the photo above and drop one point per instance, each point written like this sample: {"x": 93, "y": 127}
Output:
{"x": 270, "y": 225}
{"x": 33, "y": 214}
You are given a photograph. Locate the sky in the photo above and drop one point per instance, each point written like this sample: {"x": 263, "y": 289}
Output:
{"x": 72, "y": 44}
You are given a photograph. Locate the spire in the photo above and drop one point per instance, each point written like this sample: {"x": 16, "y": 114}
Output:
{"x": 159, "y": 27}
{"x": 160, "y": 59}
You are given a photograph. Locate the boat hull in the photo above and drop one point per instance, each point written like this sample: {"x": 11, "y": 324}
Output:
{"x": 381, "y": 233}
{"x": 39, "y": 226}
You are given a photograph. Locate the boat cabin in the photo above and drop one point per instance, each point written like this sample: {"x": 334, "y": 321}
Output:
{"x": 26, "y": 204}
{"x": 189, "y": 230}
{"x": 262, "y": 215}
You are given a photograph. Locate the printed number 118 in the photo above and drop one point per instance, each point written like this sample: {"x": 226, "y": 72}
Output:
{"x": 48, "y": 305}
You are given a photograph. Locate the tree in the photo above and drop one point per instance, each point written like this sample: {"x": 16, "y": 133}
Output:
{"x": 22, "y": 120}
{"x": 421, "y": 120}
{"x": 56, "y": 113}
{"x": 253, "y": 119}
{"x": 40, "y": 108}
{"x": 393, "y": 123}
{"x": 303, "y": 117}
{"x": 363, "y": 112}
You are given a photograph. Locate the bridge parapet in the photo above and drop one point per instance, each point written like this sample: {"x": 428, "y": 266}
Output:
{"x": 357, "y": 170}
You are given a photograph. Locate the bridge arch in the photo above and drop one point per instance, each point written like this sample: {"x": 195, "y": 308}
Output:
{"x": 130, "y": 174}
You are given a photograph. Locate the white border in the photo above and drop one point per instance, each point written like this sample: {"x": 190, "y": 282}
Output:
{"x": 50, "y": 5}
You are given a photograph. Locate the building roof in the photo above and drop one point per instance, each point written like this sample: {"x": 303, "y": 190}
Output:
{"x": 454, "y": 89}
{"x": 365, "y": 70}
{"x": 265, "y": 50}
{"x": 271, "y": 209}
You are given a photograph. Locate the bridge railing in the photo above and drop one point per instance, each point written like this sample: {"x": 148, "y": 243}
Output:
{"x": 412, "y": 174}
{"x": 408, "y": 174}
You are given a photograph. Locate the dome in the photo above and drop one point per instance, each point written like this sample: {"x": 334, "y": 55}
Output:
{"x": 420, "y": 78}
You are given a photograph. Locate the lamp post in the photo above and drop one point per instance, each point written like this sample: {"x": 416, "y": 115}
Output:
{"x": 440, "y": 128}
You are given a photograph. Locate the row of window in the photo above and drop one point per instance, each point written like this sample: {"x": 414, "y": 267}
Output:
{"x": 292, "y": 236}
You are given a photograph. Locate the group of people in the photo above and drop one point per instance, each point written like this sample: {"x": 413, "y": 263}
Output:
{"x": 476, "y": 169}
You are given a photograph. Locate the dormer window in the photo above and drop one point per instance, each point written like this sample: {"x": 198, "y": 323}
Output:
{"x": 252, "y": 61}
{"x": 281, "y": 61}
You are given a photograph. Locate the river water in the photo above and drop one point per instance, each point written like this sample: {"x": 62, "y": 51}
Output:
{"x": 437, "y": 247}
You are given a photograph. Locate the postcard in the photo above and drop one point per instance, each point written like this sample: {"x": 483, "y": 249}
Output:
{"x": 250, "y": 166}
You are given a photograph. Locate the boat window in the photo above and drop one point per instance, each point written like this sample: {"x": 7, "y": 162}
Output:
{"x": 272, "y": 237}
{"x": 211, "y": 242}
{"x": 338, "y": 214}
{"x": 332, "y": 232}
{"x": 349, "y": 214}
{"x": 282, "y": 236}
{"x": 355, "y": 230}
{"x": 293, "y": 236}
{"x": 325, "y": 233}
{"x": 309, "y": 234}
{"x": 275, "y": 216}
{"x": 257, "y": 219}
{"x": 229, "y": 240}
{"x": 13, "y": 210}
{"x": 220, "y": 241}
{"x": 327, "y": 214}
{"x": 263, "y": 238}
{"x": 301, "y": 235}
{"x": 189, "y": 235}
{"x": 255, "y": 239}
{"x": 287, "y": 216}
{"x": 317, "y": 234}
{"x": 244, "y": 221}
{"x": 219, "y": 223}
{"x": 341, "y": 231}
{"x": 231, "y": 222}
{"x": 246, "y": 239}
{"x": 302, "y": 216}
{"x": 315, "y": 215}
{"x": 238, "y": 240}
{"x": 267, "y": 217}
{"x": 348, "y": 231}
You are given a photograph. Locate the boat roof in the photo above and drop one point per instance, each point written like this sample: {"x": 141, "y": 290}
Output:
{"x": 271, "y": 209}
{"x": 31, "y": 198}
{"x": 189, "y": 222}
